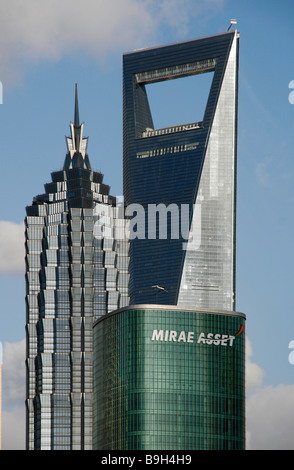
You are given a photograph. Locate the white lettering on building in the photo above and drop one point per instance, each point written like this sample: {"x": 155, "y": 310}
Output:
{"x": 188, "y": 337}
{"x": 217, "y": 339}
{"x": 171, "y": 335}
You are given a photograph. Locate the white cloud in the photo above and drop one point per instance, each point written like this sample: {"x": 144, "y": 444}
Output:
{"x": 254, "y": 373}
{"x": 13, "y": 384}
{"x": 13, "y": 425}
{"x": 11, "y": 247}
{"x": 269, "y": 410}
{"x": 39, "y": 30}
{"x": 270, "y": 418}
{"x": 13, "y": 371}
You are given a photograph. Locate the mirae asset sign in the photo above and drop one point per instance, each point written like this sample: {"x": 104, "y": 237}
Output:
{"x": 216, "y": 339}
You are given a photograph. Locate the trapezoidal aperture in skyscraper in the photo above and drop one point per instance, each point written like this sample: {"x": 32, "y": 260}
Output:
{"x": 184, "y": 178}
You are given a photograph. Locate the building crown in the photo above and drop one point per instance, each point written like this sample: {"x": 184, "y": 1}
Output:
{"x": 76, "y": 156}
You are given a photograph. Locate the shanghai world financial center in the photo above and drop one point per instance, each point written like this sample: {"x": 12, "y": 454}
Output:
{"x": 133, "y": 338}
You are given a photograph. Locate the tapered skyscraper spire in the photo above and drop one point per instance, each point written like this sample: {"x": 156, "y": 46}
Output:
{"x": 77, "y": 117}
{"x": 76, "y": 144}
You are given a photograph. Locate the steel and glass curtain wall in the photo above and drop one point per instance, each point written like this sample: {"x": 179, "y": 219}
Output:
{"x": 169, "y": 378}
{"x": 188, "y": 171}
{"x": 76, "y": 271}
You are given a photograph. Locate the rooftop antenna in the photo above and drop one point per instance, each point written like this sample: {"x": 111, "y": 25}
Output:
{"x": 232, "y": 22}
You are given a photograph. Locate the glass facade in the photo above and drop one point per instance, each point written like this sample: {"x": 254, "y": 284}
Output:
{"x": 188, "y": 167}
{"x": 76, "y": 271}
{"x": 169, "y": 378}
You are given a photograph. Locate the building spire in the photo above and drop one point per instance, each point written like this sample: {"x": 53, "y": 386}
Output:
{"x": 77, "y": 118}
{"x": 76, "y": 144}
{"x": 77, "y": 128}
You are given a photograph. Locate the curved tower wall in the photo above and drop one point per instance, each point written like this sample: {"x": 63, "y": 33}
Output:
{"x": 171, "y": 378}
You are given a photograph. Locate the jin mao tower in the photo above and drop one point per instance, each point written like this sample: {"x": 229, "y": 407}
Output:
{"x": 76, "y": 271}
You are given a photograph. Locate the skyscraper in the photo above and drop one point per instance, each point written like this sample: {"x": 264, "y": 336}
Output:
{"x": 76, "y": 271}
{"x": 189, "y": 168}
{"x": 174, "y": 371}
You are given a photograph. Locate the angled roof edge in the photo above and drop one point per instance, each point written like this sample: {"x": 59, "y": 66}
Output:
{"x": 144, "y": 49}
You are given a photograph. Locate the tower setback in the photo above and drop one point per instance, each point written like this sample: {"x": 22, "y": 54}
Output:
{"x": 76, "y": 271}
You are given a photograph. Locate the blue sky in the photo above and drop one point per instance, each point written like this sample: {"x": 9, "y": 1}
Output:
{"x": 46, "y": 47}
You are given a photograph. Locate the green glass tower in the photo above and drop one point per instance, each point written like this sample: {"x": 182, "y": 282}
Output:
{"x": 171, "y": 378}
